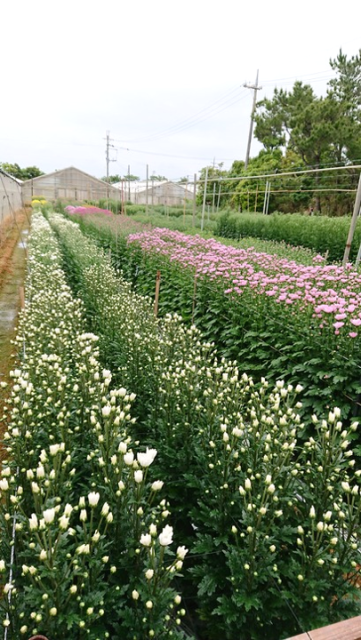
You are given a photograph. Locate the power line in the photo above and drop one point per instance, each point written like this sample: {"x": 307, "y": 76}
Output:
{"x": 214, "y": 105}
{"x": 178, "y": 128}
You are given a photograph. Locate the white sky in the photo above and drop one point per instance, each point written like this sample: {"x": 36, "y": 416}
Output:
{"x": 147, "y": 70}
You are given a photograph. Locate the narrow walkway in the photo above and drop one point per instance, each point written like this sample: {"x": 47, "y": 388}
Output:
{"x": 12, "y": 273}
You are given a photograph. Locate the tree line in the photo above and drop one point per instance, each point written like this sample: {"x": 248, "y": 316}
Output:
{"x": 300, "y": 130}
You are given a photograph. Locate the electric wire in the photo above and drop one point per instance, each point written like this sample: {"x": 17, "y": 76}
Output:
{"x": 224, "y": 101}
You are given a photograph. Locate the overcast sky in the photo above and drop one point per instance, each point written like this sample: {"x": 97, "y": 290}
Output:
{"x": 164, "y": 77}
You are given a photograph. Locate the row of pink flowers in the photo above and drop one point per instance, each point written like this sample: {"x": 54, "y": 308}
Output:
{"x": 331, "y": 293}
{"x": 87, "y": 210}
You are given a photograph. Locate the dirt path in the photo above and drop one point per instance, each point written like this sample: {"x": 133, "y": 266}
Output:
{"x": 12, "y": 273}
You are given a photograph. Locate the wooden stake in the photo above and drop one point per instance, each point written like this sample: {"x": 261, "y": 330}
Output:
{"x": 156, "y": 299}
{"x": 194, "y": 297}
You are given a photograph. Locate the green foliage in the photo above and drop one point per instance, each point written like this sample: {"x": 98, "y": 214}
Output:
{"x": 22, "y": 174}
{"x": 89, "y": 559}
{"x": 249, "y": 328}
{"x": 299, "y": 131}
{"x": 326, "y": 236}
{"x": 112, "y": 179}
{"x": 270, "y": 514}
{"x": 117, "y": 178}
{"x": 157, "y": 178}
{"x": 214, "y": 186}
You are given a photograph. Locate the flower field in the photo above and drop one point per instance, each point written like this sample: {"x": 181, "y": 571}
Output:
{"x": 273, "y": 315}
{"x": 85, "y": 544}
{"x": 151, "y": 489}
{"x": 320, "y": 233}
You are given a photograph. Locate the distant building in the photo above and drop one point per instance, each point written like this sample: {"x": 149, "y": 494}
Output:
{"x": 71, "y": 185}
{"x": 158, "y": 192}
{"x": 10, "y": 194}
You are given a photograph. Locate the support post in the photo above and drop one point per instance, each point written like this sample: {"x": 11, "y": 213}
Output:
{"x": 194, "y": 296}
{"x": 219, "y": 196}
{"x": 356, "y": 211}
{"x": 146, "y": 190}
{"x": 194, "y": 200}
{"x": 204, "y": 199}
{"x": 156, "y": 298}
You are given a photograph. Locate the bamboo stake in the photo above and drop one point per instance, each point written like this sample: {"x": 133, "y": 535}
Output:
{"x": 156, "y": 298}
{"x": 194, "y": 297}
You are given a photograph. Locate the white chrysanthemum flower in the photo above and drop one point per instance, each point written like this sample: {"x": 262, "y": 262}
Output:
{"x": 146, "y": 459}
{"x": 182, "y": 552}
{"x": 105, "y": 509}
{"x": 67, "y": 510}
{"x": 33, "y": 522}
{"x": 129, "y": 458}
{"x": 64, "y": 522}
{"x": 54, "y": 449}
{"x": 4, "y": 485}
{"x": 157, "y": 485}
{"x": 146, "y": 540}
{"x": 166, "y": 536}
{"x": 49, "y": 515}
{"x": 83, "y": 515}
{"x": 93, "y": 498}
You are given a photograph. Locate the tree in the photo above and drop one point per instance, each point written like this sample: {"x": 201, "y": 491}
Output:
{"x": 112, "y": 179}
{"x": 21, "y": 174}
{"x": 299, "y": 131}
{"x": 215, "y": 176}
{"x": 345, "y": 89}
{"x": 314, "y": 128}
{"x": 158, "y": 178}
{"x": 31, "y": 172}
{"x": 130, "y": 177}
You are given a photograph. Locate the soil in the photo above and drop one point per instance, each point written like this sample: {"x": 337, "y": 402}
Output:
{"x": 13, "y": 254}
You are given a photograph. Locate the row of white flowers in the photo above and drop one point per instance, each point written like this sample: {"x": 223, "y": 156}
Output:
{"x": 77, "y": 498}
{"x": 277, "y": 515}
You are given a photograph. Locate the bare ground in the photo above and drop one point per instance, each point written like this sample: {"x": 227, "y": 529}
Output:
{"x": 13, "y": 235}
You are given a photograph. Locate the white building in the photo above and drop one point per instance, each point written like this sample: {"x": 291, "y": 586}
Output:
{"x": 155, "y": 192}
{"x": 69, "y": 185}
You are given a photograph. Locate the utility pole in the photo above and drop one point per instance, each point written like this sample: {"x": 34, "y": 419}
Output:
{"x": 255, "y": 88}
{"x": 108, "y": 146}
